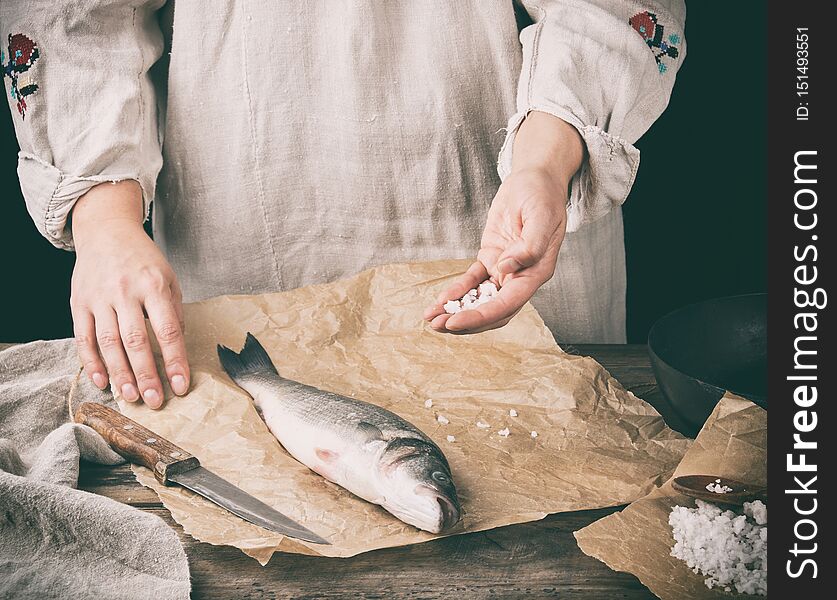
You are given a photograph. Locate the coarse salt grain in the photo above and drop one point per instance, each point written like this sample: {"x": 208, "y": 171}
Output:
{"x": 504, "y": 432}
{"x": 534, "y": 434}
{"x": 442, "y": 419}
{"x": 482, "y": 425}
{"x": 512, "y": 413}
{"x": 428, "y": 403}
{"x": 729, "y": 548}
{"x": 452, "y": 307}
{"x": 487, "y": 288}
{"x": 758, "y": 510}
{"x": 451, "y": 438}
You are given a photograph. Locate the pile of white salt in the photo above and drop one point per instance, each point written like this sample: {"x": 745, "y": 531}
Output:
{"x": 730, "y": 549}
{"x": 474, "y": 298}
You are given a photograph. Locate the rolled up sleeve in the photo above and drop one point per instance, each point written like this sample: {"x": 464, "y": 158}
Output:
{"x": 607, "y": 68}
{"x": 82, "y": 101}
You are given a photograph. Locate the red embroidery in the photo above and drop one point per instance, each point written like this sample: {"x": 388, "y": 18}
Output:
{"x": 23, "y": 53}
{"x": 646, "y": 25}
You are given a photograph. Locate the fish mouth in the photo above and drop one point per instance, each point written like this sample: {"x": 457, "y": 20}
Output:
{"x": 449, "y": 511}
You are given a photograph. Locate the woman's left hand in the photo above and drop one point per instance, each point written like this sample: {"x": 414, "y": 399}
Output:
{"x": 524, "y": 230}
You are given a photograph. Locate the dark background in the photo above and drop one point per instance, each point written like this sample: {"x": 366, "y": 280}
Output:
{"x": 695, "y": 222}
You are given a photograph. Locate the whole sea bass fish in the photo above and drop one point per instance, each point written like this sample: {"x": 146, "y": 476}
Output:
{"x": 373, "y": 453}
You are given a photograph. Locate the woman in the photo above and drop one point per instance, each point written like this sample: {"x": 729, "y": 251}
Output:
{"x": 287, "y": 143}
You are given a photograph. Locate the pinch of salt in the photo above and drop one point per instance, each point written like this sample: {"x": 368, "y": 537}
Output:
{"x": 504, "y": 432}
{"x": 473, "y": 298}
{"x": 482, "y": 425}
{"x": 512, "y": 413}
{"x": 442, "y": 419}
{"x": 718, "y": 488}
{"x": 534, "y": 434}
{"x": 428, "y": 403}
{"x": 451, "y": 438}
{"x": 452, "y": 307}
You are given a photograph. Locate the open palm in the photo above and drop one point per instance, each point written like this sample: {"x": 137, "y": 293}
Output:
{"x": 519, "y": 249}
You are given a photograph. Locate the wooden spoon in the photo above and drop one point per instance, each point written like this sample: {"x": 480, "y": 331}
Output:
{"x": 694, "y": 486}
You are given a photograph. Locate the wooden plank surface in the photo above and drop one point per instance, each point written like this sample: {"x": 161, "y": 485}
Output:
{"x": 532, "y": 560}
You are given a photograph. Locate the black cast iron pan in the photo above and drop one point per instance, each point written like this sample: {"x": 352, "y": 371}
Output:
{"x": 702, "y": 350}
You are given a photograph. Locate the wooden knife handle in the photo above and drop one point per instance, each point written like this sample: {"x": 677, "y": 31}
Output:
{"x": 135, "y": 442}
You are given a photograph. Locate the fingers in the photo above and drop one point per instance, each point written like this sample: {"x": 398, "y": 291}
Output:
{"x": 499, "y": 311}
{"x": 489, "y": 256}
{"x": 110, "y": 346}
{"x": 84, "y": 329}
{"x": 118, "y": 344}
{"x": 177, "y": 301}
{"x": 475, "y": 275}
{"x": 470, "y": 279}
{"x": 138, "y": 350}
{"x": 531, "y": 247}
{"x": 514, "y": 262}
{"x": 521, "y": 254}
{"x": 438, "y": 321}
{"x": 166, "y": 324}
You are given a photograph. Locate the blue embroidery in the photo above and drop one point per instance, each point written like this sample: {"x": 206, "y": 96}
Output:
{"x": 23, "y": 53}
{"x": 645, "y": 23}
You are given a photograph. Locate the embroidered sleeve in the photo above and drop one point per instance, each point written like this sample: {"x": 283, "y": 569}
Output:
{"x": 606, "y": 67}
{"x": 23, "y": 53}
{"x": 82, "y": 102}
{"x": 663, "y": 46}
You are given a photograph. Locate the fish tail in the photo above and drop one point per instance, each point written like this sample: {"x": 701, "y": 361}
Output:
{"x": 251, "y": 360}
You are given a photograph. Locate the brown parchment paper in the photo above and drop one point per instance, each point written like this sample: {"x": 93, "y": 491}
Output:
{"x": 732, "y": 443}
{"x": 598, "y": 445}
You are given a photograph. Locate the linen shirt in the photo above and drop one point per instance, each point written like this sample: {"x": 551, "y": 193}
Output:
{"x": 285, "y": 143}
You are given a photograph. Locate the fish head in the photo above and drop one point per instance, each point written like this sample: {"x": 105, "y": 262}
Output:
{"x": 418, "y": 485}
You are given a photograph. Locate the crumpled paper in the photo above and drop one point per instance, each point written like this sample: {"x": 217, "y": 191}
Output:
{"x": 598, "y": 445}
{"x": 732, "y": 444}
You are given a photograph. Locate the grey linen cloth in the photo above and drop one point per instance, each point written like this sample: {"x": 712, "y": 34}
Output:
{"x": 57, "y": 541}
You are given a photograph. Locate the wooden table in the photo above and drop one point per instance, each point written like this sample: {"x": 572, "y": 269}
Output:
{"x": 532, "y": 560}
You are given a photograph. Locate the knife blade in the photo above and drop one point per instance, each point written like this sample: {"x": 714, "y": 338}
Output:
{"x": 226, "y": 495}
{"x": 173, "y": 465}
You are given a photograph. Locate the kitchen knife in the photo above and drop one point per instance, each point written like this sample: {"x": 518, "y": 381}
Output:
{"x": 172, "y": 464}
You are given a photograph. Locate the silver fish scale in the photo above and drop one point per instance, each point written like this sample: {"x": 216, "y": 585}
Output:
{"x": 321, "y": 408}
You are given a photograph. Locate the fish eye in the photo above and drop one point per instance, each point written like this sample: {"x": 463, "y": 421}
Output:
{"x": 440, "y": 477}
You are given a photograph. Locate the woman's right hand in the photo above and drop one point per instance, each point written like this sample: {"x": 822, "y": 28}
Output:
{"x": 120, "y": 275}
